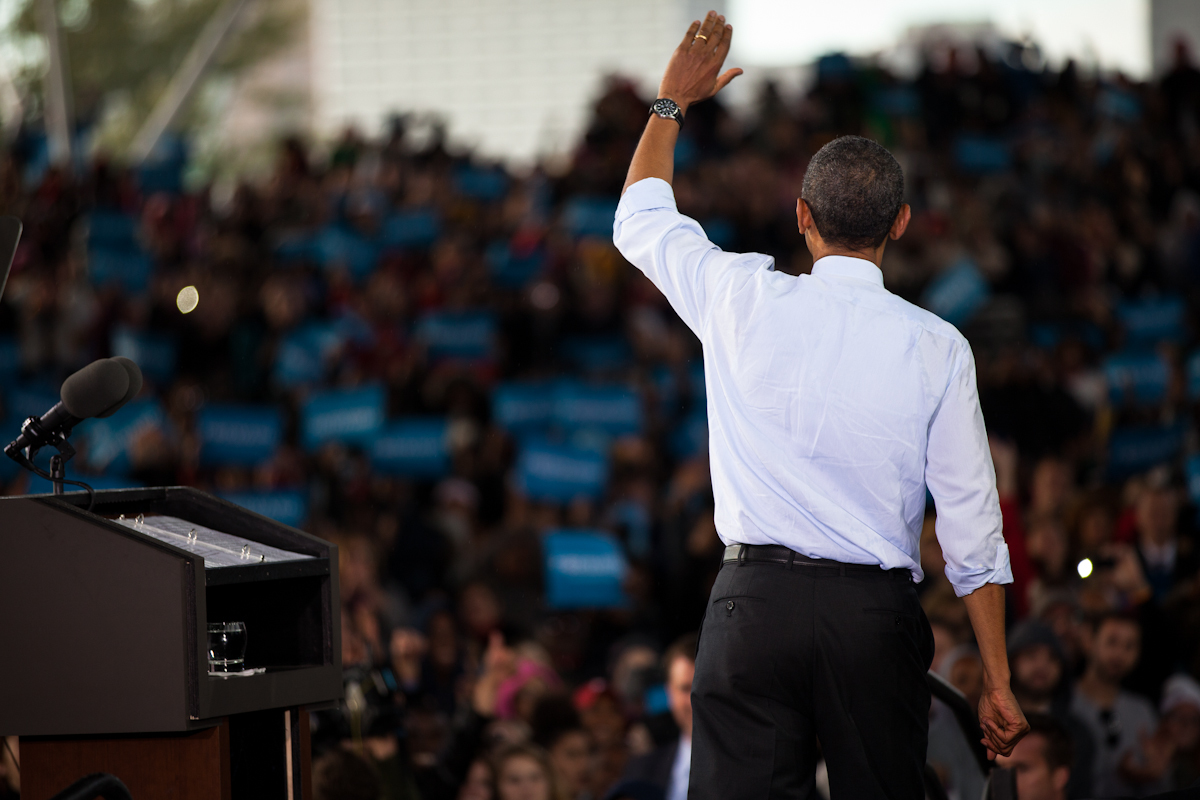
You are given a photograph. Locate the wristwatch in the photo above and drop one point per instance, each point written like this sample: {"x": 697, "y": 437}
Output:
{"x": 667, "y": 108}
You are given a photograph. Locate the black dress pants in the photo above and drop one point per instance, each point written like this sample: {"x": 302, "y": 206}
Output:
{"x": 790, "y": 655}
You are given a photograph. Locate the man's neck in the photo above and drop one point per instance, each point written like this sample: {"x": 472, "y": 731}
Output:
{"x": 874, "y": 256}
{"x": 1101, "y": 691}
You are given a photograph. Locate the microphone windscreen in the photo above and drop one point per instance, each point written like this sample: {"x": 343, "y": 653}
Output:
{"x": 10, "y": 234}
{"x": 95, "y": 388}
{"x": 135, "y": 385}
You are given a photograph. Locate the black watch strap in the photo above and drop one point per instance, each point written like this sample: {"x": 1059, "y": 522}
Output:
{"x": 667, "y": 108}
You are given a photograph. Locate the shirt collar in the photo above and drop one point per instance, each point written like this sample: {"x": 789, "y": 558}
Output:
{"x": 848, "y": 267}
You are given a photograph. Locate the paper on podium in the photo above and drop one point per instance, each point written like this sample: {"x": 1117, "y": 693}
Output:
{"x": 216, "y": 548}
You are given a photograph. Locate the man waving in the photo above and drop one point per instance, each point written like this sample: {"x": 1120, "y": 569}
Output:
{"x": 832, "y": 405}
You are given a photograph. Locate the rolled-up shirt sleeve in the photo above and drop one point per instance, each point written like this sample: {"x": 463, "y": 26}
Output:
{"x": 673, "y": 250}
{"x": 962, "y": 480}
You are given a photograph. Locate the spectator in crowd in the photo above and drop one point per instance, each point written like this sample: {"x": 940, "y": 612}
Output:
{"x": 344, "y": 775}
{"x": 1131, "y": 753}
{"x": 1040, "y": 683}
{"x": 669, "y": 765}
{"x": 1167, "y": 559}
{"x": 1042, "y": 760}
{"x": 478, "y": 784}
{"x": 949, "y": 752}
{"x": 1180, "y": 714}
{"x": 558, "y": 730}
{"x": 523, "y": 772}
{"x": 603, "y": 719}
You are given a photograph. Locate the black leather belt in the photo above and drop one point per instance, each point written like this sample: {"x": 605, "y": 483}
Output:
{"x": 778, "y": 554}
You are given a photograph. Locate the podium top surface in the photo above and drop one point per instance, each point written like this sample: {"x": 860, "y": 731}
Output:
{"x": 165, "y": 516}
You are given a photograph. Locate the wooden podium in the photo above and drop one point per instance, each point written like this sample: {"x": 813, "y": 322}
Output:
{"x": 103, "y": 644}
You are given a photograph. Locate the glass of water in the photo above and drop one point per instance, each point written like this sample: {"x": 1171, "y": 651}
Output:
{"x": 226, "y": 646}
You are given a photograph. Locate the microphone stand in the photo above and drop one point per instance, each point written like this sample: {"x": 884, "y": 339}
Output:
{"x": 58, "y": 462}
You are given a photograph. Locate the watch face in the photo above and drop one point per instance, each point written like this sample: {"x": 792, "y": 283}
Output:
{"x": 665, "y": 108}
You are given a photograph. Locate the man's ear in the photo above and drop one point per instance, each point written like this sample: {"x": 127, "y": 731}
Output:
{"x": 900, "y": 224}
{"x": 804, "y": 219}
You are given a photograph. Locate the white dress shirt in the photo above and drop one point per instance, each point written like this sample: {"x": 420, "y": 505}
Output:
{"x": 832, "y": 403}
{"x": 681, "y": 770}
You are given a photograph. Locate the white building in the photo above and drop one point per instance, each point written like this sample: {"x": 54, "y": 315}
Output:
{"x": 1170, "y": 22}
{"x": 512, "y": 78}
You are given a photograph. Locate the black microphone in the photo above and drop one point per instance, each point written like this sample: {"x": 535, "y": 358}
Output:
{"x": 135, "y": 384}
{"x": 10, "y": 234}
{"x": 99, "y": 389}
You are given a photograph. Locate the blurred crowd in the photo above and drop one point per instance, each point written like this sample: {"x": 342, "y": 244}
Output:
{"x": 1056, "y": 221}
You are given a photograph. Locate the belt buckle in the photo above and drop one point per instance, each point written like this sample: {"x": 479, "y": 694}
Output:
{"x": 743, "y": 549}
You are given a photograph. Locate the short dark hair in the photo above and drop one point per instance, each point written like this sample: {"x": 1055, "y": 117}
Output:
{"x": 345, "y": 775}
{"x": 854, "y": 188}
{"x": 683, "y": 647}
{"x": 1057, "y": 750}
{"x": 554, "y": 716}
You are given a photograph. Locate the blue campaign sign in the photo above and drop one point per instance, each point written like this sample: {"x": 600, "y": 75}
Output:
{"x": 560, "y": 473}
{"x": 584, "y": 569}
{"x": 957, "y": 293}
{"x": 981, "y": 154}
{"x": 1137, "y": 377}
{"x": 897, "y": 101}
{"x": 101, "y": 483}
{"x": 303, "y": 354}
{"x": 110, "y": 440}
{"x": 127, "y": 268}
{"x": 597, "y": 353}
{"x": 337, "y": 247}
{"x": 591, "y": 216}
{"x": 162, "y": 171}
{"x": 522, "y": 408}
{"x": 480, "y": 183}
{"x": 238, "y": 435}
{"x": 458, "y": 334}
{"x": 112, "y": 229}
{"x": 615, "y": 410}
{"x": 411, "y": 229}
{"x": 1134, "y": 450}
{"x": 286, "y": 506}
{"x": 413, "y": 447}
{"x": 153, "y": 352}
{"x": 512, "y": 270}
{"x": 352, "y": 416}
{"x": 1153, "y": 319}
{"x": 295, "y": 247}
{"x": 1118, "y": 104}
{"x": 22, "y": 401}
{"x": 690, "y": 437}
{"x": 10, "y": 357}
{"x": 720, "y": 232}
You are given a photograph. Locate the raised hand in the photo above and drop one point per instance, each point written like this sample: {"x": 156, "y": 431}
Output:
{"x": 499, "y": 662}
{"x": 694, "y": 72}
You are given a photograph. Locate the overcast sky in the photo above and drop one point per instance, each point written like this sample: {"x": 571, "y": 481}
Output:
{"x": 784, "y": 32}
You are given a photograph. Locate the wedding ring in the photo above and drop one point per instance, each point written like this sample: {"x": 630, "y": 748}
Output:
{"x": 700, "y": 36}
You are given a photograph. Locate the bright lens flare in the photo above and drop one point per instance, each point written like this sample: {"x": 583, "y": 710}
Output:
{"x": 1085, "y": 568}
{"x": 187, "y": 299}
